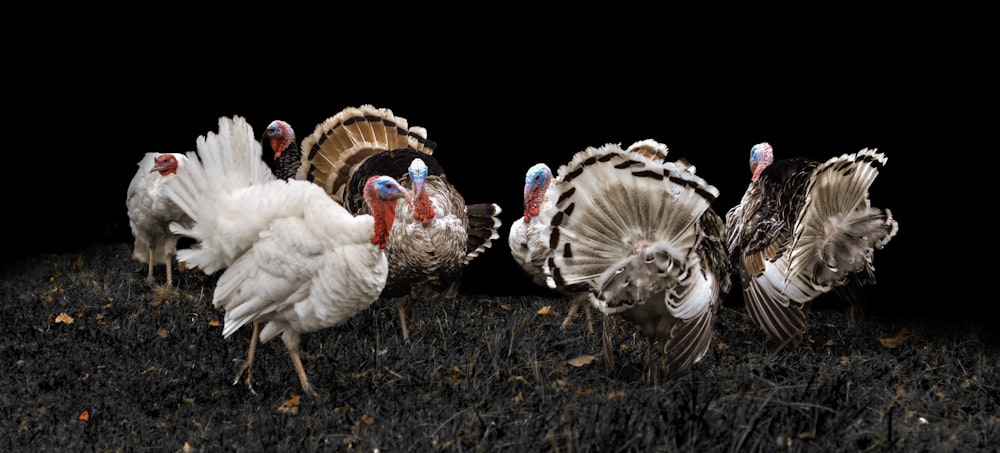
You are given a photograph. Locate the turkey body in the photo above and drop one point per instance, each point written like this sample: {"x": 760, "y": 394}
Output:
{"x": 638, "y": 236}
{"x": 804, "y": 228}
{"x": 293, "y": 261}
{"x": 150, "y": 211}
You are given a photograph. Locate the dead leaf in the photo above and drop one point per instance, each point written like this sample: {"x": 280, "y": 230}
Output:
{"x": 64, "y": 318}
{"x": 518, "y": 398}
{"x": 162, "y": 333}
{"x": 615, "y": 394}
{"x": 544, "y": 310}
{"x": 898, "y": 340}
{"x": 213, "y": 323}
{"x": 581, "y": 360}
{"x": 291, "y": 405}
{"x": 186, "y": 448}
{"x": 368, "y": 419}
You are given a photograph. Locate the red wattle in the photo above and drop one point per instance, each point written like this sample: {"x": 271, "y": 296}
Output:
{"x": 423, "y": 209}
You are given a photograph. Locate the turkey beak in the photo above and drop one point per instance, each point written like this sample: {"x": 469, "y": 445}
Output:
{"x": 528, "y": 190}
{"x": 401, "y": 192}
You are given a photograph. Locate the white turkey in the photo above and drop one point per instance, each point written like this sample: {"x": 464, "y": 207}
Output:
{"x": 527, "y": 235}
{"x": 638, "y": 236}
{"x": 150, "y": 212}
{"x": 436, "y": 237}
{"x": 803, "y": 228}
{"x": 293, "y": 260}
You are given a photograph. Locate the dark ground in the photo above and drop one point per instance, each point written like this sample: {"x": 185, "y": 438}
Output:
{"x": 141, "y": 368}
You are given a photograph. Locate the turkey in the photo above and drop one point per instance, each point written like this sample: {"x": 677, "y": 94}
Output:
{"x": 802, "y": 228}
{"x": 637, "y": 234}
{"x": 437, "y": 236}
{"x": 287, "y": 158}
{"x": 526, "y": 236}
{"x": 150, "y": 212}
{"x": 294, "y": 261}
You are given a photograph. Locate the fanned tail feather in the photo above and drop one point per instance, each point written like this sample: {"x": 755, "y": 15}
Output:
{"x": 225, "y": 163}
{"x": 612, "y": 202}
{"x": 484, "y": 228}
{"x": 839, "y": 228}
{"x": 342, "y": 142}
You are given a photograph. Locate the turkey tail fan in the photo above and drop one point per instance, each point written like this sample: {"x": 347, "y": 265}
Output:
{"x": 484, "y": 226}
{"x": 612, "y": 201}
{"x": 338, "y": 145}
{"x": 225, "y": 162}
{"x": 839, "y": 228}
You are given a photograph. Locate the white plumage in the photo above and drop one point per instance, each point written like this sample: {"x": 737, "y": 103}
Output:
{"x": 150, "y": 212}
{"x": 804, "y": 228}
{"x": 294, "y": 260}
{"x": 638, "y": 235}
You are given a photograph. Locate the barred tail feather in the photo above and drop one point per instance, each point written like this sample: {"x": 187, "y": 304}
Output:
{"x": 484, "y": 227}
{"x": 610, "y": 202}
{"x": 342, "y": 142}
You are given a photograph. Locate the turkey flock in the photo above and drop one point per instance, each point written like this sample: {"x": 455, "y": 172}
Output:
{"x": 305, "y": 235}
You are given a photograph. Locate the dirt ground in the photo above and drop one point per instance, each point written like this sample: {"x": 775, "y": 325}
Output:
{"x": 97, "y": 359}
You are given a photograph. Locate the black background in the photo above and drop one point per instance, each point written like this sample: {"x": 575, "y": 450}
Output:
{"x": 82, "y": 127}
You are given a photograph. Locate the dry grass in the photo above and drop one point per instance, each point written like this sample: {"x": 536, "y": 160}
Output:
{"x": 97, "y": 359}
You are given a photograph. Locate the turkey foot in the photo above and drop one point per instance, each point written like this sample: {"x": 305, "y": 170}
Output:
{"x": 405, "y": 307}
{"x": 573, "y": 308}
{"x": 247, "y": 364}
